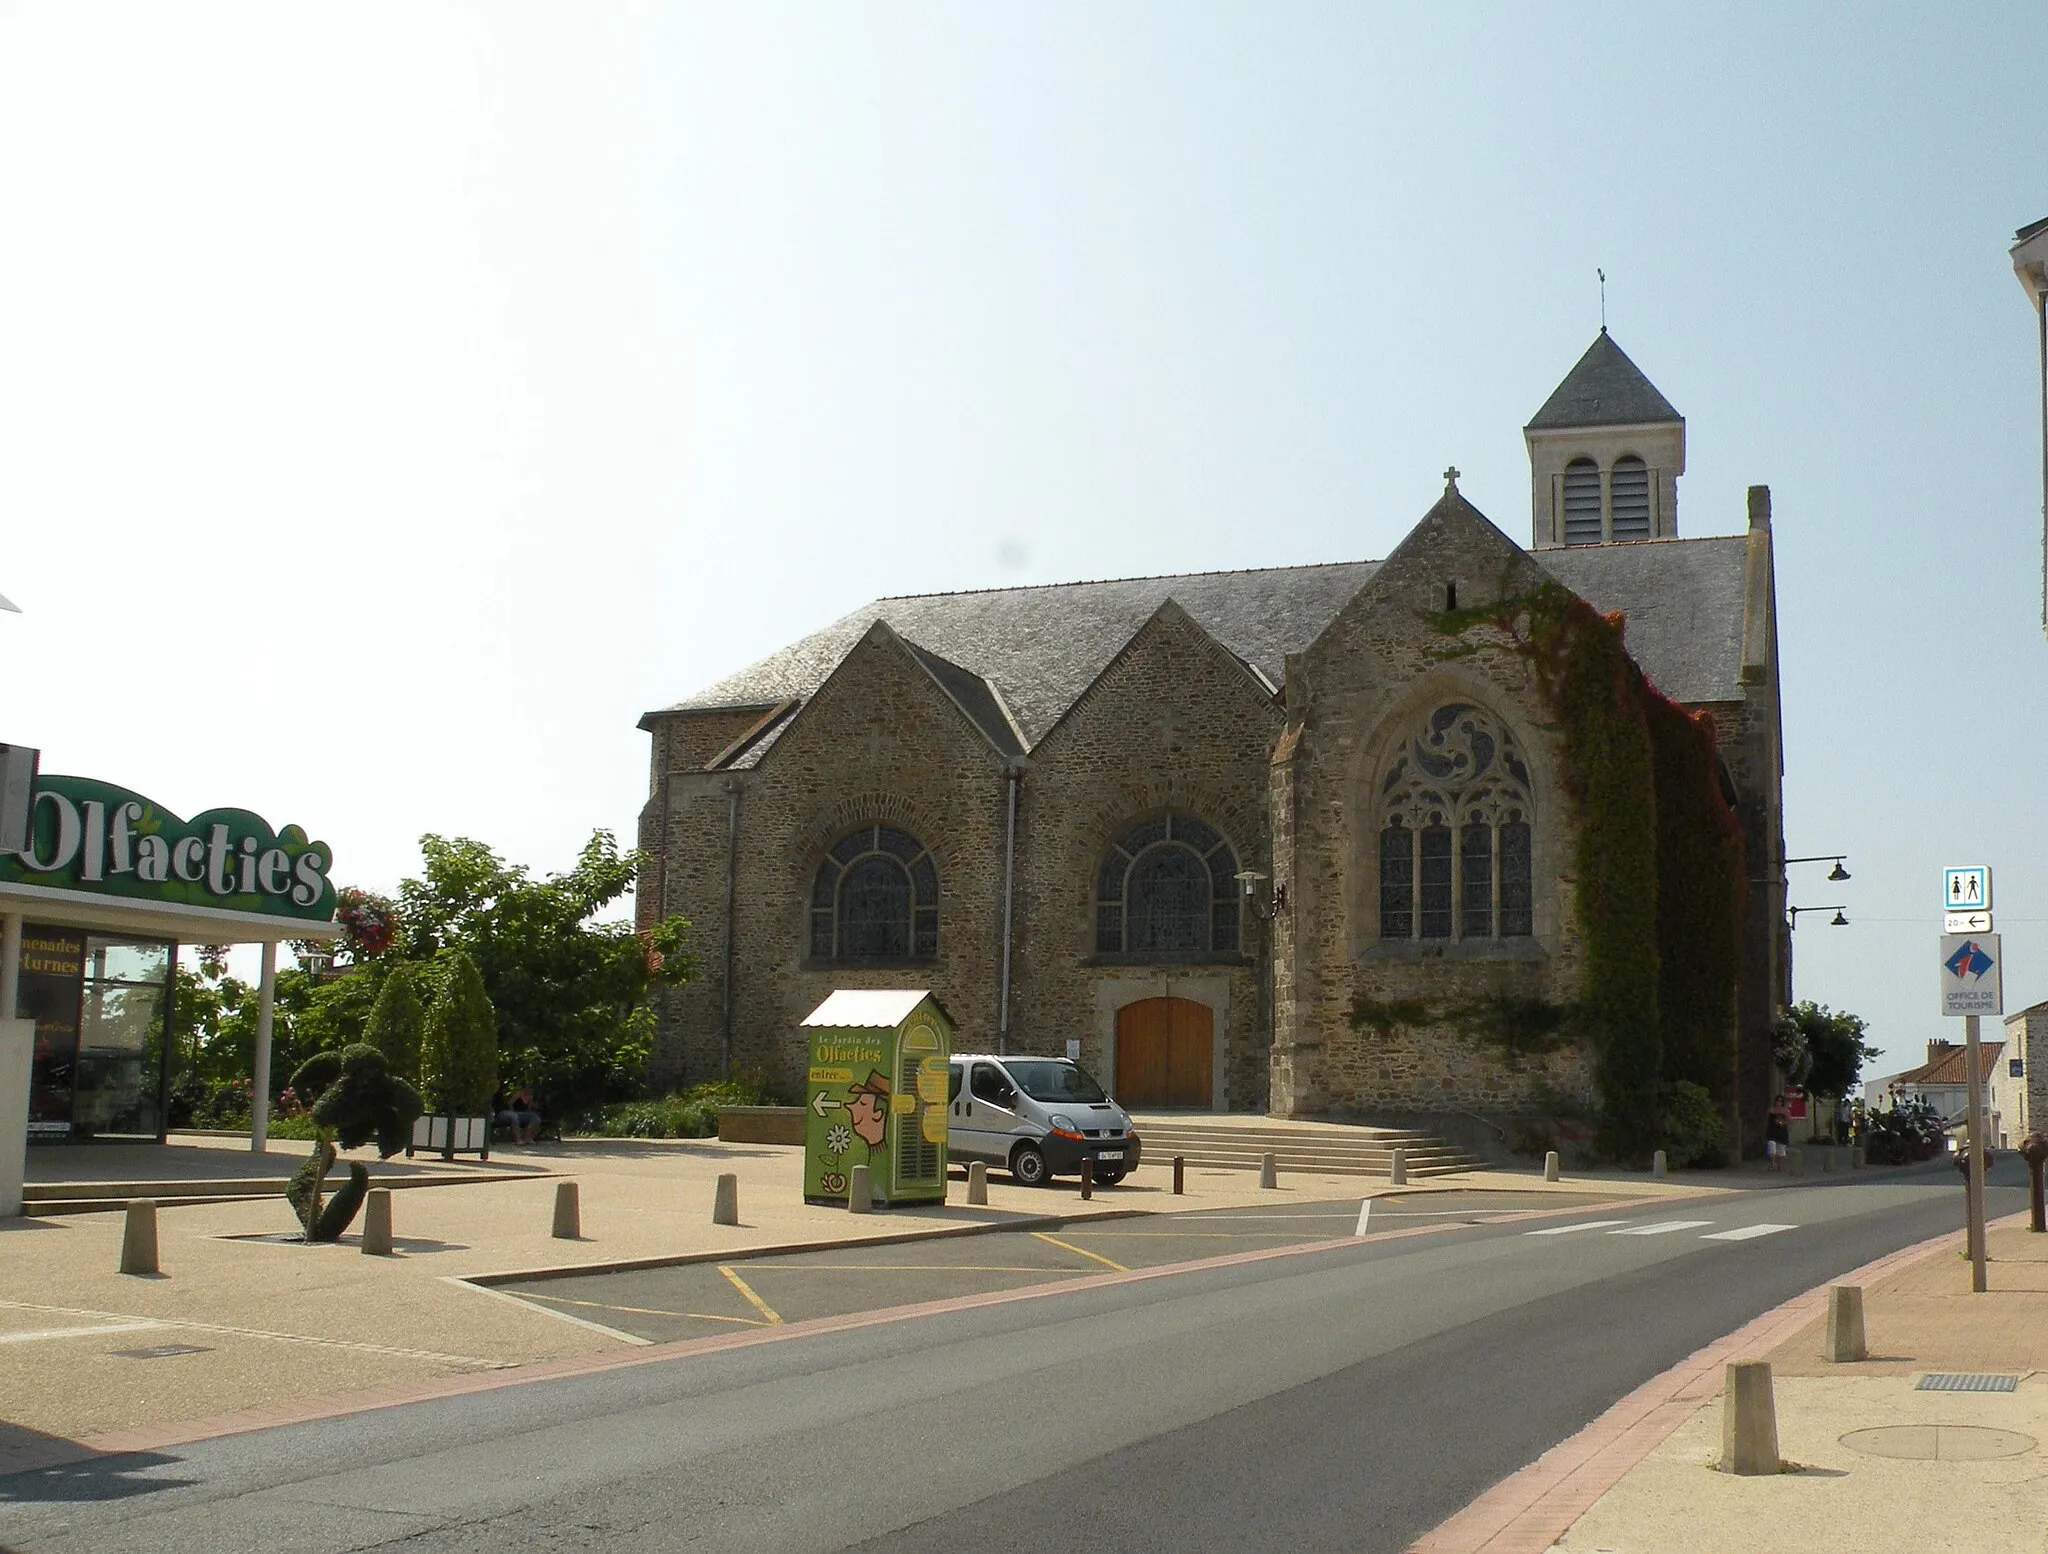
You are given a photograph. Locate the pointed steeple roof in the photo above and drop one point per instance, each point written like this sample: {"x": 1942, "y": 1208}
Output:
{"x": 1604, "y": 389}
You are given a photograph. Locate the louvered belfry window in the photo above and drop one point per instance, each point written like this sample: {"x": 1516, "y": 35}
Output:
{"x": 875, "y": 898}
{"x": 1455, "y": 840}
{"x": 1629, "y": 488}
{"x": 1582, "y": 503}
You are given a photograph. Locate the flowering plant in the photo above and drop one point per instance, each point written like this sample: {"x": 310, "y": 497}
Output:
{"x": 368, "y": 922}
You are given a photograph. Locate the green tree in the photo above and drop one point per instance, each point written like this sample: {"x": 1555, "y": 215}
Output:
{"x": 1820, "y": 1049}
{"x": 459, "y": 1048}
{"x": 571, "y": 991}
{"x": 396, "y": 1023}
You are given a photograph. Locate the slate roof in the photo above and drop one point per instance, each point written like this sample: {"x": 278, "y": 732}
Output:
{"x": 1026, "y": 654}
{"x": 1684, "y": 603}
{"x": 1604, "y": 389}
{"x": 1042, "y": 647}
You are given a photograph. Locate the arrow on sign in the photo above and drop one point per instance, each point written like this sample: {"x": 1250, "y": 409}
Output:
{"x": 1966, "y": 922}
{"x": 822, "y": 1103}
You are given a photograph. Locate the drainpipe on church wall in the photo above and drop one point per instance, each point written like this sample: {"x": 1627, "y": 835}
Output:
{"x": 732, "y": 865}
{"x": 1009, "y": 892}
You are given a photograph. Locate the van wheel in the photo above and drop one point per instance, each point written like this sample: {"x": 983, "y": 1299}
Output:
{"x": 1108, "y": 1178}
{"x": 1027, "y": 1166}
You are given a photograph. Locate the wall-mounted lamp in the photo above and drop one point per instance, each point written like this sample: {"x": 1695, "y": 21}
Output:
{"x": 1837, "y": 921}
{"x": 1251, "y": 879}
{"x": 1835, "y": 875}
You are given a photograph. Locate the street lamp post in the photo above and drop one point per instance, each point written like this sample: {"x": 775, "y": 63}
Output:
{"x": 2030, "y": 264}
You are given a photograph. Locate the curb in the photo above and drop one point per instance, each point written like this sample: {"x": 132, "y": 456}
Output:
{"x": 1530, "y": 1510}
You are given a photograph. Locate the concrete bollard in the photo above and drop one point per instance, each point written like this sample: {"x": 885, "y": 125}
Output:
{"x": 860, "y": 1197}
{"x": 1795, "y": 1161}
{"x": 1660, "y": 1164}
{"x": 1845, "y": 1343}
{"x": 1269, "y": 1172}
{"x": 1550, "y": 1171}
{"x": 377, "y": 1223}
{"x": 1856, "y": 1158}
{"x": 1397, "y": 1168}
{"x": 1749, "y": 1421}
{"x": 1180, "y": 1175}
{"x": 1827, "y": 1161}
{"x": 977, "y": 1182}
{"x": 1087, "y": 1177}
{"x": 568, "y": 1212}
{"x": 725, "y": 1202}
{"x": 138, "y": 1237}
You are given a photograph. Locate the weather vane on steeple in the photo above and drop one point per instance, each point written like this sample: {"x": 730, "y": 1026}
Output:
{"x": 1603, "y": 298}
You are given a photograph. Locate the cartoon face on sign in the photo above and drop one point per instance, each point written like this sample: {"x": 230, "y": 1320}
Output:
{"x": 867, "y": 1108}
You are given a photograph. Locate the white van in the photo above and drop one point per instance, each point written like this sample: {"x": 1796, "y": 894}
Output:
{"x": 1038, "y": 1118}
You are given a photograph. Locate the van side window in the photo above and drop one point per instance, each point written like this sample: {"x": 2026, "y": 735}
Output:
{"x": 990, "y": 1084}
{"x": 952, "y": 1082}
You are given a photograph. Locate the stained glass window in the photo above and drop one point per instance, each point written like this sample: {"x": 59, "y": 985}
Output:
{"x": 1471, "y": 880}
{"x": 875, "y": 897}
{"x": 1167, "y": 887}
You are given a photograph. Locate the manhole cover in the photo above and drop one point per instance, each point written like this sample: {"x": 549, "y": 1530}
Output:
{"x": 1938, "y": 1443}
{"x": 1962, "y": 1381}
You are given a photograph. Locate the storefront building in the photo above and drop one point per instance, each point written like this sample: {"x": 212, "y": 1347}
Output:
{"x": 95, "y": 902}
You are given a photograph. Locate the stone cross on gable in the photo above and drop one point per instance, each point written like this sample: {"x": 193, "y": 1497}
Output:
{"x": 1451, "y": 478}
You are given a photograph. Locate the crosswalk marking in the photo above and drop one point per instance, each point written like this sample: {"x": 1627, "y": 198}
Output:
{"x": 1747, "y": 1232}
{"x": 1565, "y": 1230}
{"x": 1662, "y": 1227}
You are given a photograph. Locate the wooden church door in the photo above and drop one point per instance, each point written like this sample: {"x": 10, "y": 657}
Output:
{"x": 1163, "y": 1053}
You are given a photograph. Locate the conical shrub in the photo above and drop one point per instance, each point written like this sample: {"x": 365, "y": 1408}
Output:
{"x": 397, "y": 1023}
{"x": 459, "y": 1047}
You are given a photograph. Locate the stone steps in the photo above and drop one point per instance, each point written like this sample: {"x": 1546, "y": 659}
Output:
{"x": 1333, "y": 1151}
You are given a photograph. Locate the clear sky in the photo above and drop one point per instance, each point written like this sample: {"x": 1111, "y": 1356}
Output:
{"x": 396, "y": 401}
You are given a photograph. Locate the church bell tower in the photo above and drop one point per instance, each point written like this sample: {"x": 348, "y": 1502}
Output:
{"x": 1605, "y": 454}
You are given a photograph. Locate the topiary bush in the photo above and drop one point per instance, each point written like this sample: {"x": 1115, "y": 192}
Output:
{"x": 355, "y": 1099}
{"x": 1695, "y": 1132}
{"x": 459, "y": 1046}
{"x": 397, "y": 1023}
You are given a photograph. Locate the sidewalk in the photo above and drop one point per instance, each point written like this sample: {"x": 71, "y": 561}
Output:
{"x": 254, "y": 1322}
{"x": 1879, "y": 1463}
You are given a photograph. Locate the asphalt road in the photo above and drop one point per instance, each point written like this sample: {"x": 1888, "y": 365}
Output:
{"x": 1342, "y": 1398}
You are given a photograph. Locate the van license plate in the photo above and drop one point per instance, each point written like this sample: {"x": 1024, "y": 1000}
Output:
{"x": 1109, "y": 1154}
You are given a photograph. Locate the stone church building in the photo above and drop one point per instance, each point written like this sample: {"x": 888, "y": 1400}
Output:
{"x": 1199, "y": 822}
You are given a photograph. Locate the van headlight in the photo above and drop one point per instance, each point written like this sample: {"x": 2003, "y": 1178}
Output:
{"x": 1063, "y": 1126}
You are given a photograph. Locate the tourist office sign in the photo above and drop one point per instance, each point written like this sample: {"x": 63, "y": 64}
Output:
{"x": 92, "y": 837}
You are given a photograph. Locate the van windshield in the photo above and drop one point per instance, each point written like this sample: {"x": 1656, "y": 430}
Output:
{"x": 1045, "y": 1080}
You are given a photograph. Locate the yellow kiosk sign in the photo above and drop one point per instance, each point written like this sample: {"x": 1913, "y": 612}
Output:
{"x": 875, "y": 1095}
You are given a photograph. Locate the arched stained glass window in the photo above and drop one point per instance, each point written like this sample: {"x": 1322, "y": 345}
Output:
{"x": 1167, "y": 887}
{"x": 875, "y": 897}
{"x": 1455, "y": 841}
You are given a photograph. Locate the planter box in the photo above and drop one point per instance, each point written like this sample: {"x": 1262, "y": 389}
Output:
{"x": 449, "y": 1136}
{"x": 761, "y": 1125}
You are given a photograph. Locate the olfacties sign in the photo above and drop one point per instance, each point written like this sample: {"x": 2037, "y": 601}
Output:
{"x": 91, "y": 836}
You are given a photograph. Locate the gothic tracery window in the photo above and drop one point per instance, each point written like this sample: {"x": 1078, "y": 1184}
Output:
{"x": 1455, "y": 844}
{"x": 1168, "y": 886}
{"x": 875, "y": 897}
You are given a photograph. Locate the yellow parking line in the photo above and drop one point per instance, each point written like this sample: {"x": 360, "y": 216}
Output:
{"x": 760, "y": 1305}
{"x": 644, "y": 1311}
{"x": 1082, "y": 1251}
{"x": 759, "y": 1268}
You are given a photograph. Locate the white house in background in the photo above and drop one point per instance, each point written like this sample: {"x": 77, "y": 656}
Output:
{"x": 1943, "y": 1082}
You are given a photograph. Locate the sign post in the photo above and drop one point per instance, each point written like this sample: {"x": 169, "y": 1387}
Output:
{"x": 1972, "y": 985}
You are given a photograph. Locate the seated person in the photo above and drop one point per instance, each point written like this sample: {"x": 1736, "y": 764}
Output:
{"x": 522, "y": 1117}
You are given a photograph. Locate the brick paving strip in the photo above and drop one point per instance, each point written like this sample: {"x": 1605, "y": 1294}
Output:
{"x": 163, "y": 1437}
{"x": 1529, "y": 1511}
